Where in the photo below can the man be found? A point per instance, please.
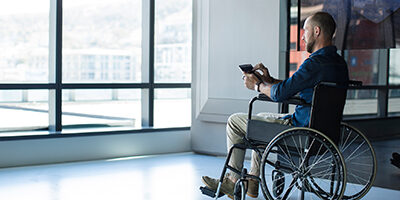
(324, 64)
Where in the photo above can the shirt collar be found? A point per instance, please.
(325, 50)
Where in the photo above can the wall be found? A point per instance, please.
(228, 33)
(67, 149)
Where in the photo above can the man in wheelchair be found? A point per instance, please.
(323, 65)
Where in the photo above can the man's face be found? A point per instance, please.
(308, 36)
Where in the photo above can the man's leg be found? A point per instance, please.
(255, 159)
(235, 131)
(270, 118)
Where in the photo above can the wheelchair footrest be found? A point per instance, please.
(209, 192)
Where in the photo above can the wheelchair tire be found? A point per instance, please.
(309, 161)
(360, 160)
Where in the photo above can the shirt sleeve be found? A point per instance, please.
(305, 77)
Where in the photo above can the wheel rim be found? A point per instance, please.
(360, 161)
(306, 157)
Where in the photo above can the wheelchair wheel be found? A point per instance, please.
(360, 162)
(310, 166)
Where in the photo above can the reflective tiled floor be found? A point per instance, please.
(172, 176)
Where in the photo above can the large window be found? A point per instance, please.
(94, 65)
(368, 37)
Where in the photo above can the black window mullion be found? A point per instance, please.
(58, 70)
(151, 63)
(298, 24)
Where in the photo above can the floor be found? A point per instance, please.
(172, 176)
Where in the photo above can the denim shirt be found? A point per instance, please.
(322, 65)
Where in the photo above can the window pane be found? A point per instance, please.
(394, 101)
(102, 41)
(172, 108)
(361, 102)
(24, 41)
(394, 67)
(23, 110)
(363, 65)
(101, 108)
(294, 27)
(296, 58)
(173, 38)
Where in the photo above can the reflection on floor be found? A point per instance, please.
(173, 176)
(388, 176)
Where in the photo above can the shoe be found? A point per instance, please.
(252, 190)
(227, 186)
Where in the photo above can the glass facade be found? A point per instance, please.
(173, 41)
(102, 41)
(102, 108)
(394, 67)
(358, 21)
(363, 65)
(98, 78)
(24, 41)
(368, 37)
(23, 110)
(173, 108)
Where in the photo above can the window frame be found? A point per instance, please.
(55, 86)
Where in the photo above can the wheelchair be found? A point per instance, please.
(327, 160)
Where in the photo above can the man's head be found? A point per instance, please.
(318, 31)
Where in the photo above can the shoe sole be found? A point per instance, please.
(252, 195)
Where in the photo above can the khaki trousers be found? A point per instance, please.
(236, 129)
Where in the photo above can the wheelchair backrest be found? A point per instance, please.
(327, 109)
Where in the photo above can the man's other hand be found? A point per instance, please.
(265, 76)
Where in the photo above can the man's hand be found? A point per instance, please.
(265, 76)
(250, 80)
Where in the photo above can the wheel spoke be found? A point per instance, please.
(287, 158)
(348, 136)
(302, 163)
(349, 143)
(349, 157)
(289, 190)
(358, 178)
(318, 161)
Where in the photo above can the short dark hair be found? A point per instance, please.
(326, 22)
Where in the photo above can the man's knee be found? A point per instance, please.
(237, 118)
(237, 125)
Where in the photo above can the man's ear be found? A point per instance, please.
(317, 30)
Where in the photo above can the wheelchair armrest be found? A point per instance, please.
(355, 83)
(263, 97)
(296, 100)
